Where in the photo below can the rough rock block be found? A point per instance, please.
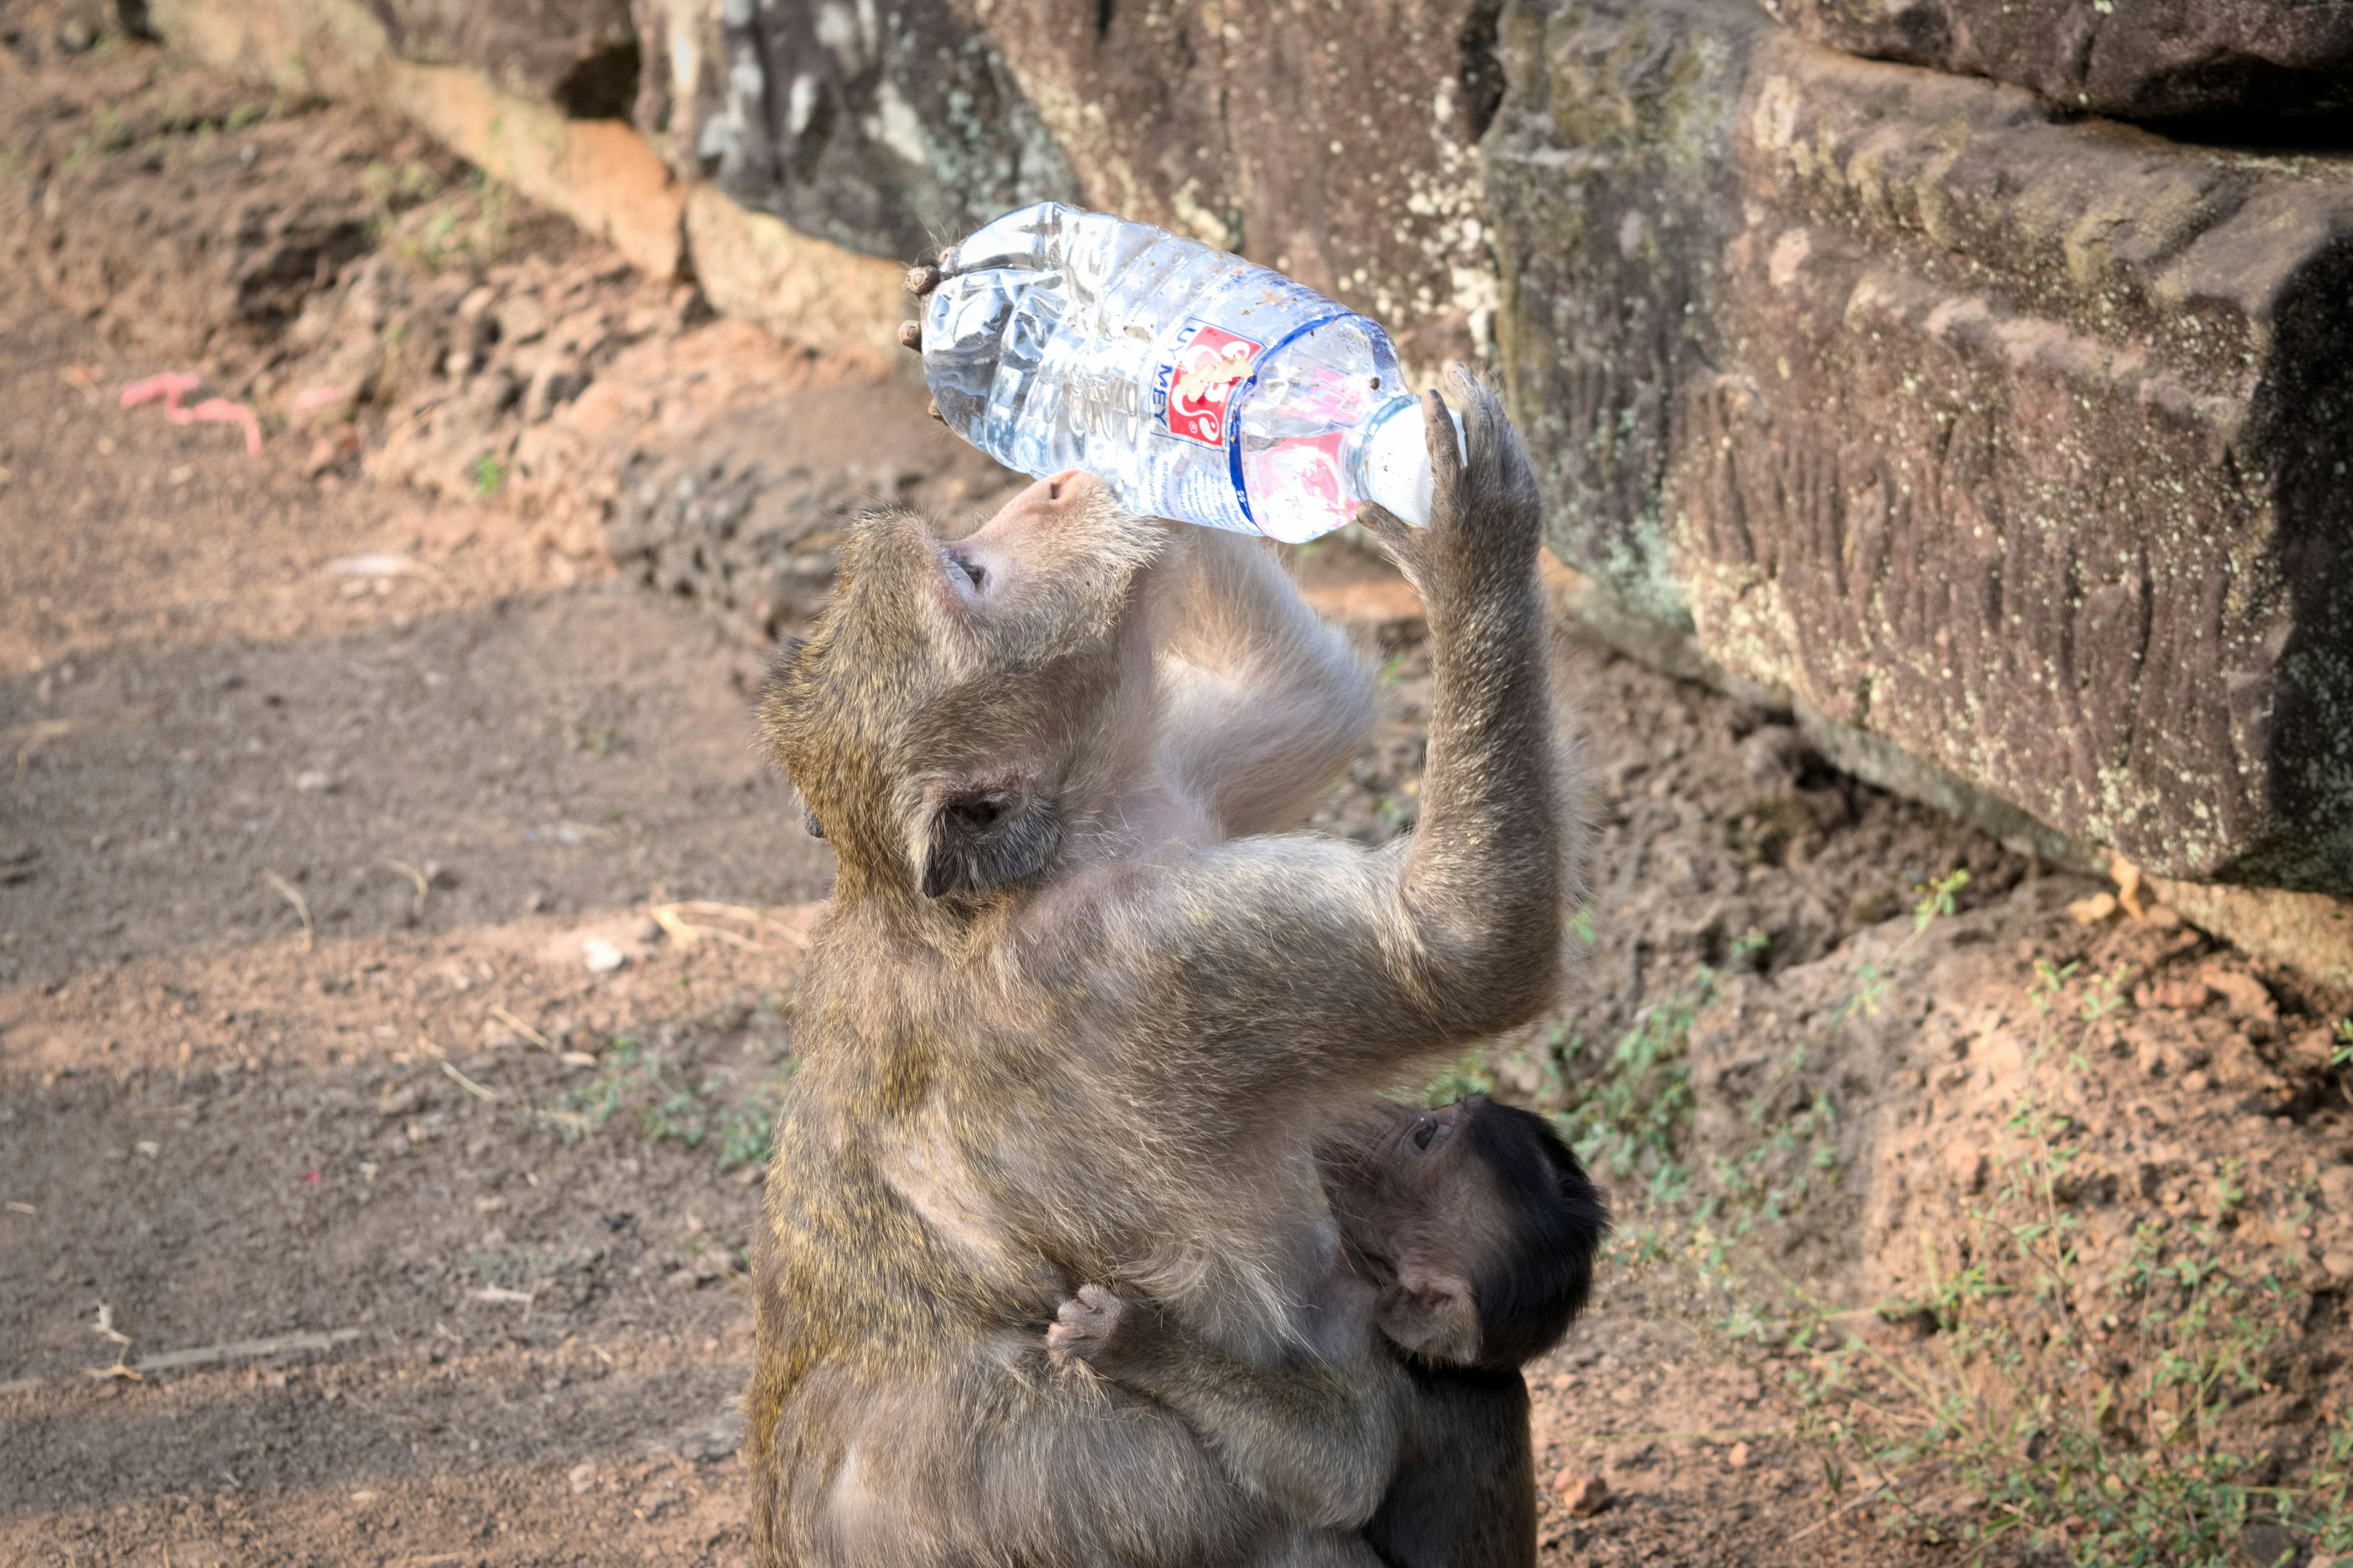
(890, 129)
(2022, 444)
(580, 56)
(1329, 139)
(599, 175)
(2283, 65)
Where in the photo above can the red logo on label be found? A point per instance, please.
(1195, 385)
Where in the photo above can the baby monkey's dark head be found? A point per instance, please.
(952, 697)
(1478, 1223)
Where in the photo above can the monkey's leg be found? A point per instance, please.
(1466, 1496)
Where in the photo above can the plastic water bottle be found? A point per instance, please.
(1196, 386)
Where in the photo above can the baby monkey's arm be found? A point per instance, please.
(1319, 1439)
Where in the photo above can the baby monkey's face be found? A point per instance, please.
(1474, 1221)
(1419, 1207)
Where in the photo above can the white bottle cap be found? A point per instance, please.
(1393, 465)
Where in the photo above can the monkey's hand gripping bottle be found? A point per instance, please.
(1196, 386)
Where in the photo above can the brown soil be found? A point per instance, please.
(326, 771)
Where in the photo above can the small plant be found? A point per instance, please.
(490, 476)
(391, 191)
(649, 1092)
(472, 227)
(2104, 993)
(1627, 1115)
(1932, 901)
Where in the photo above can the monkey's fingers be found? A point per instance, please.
(910, 335)
(1394, 532)
(1438, 428)
(922, 280)
(1405, 545)
(1067, 1342)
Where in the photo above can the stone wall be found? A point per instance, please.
(2003, 442)
(2016, 440)
(2230, 68)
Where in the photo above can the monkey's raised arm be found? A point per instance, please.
(1265, 701)
(1288, 964)
(1321, 1439)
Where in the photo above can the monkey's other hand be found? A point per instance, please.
(921, 282)
(1486, 517)
(1098, 1327)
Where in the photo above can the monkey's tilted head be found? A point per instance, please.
(955, 702)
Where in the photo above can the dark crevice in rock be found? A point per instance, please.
(603, 86)
(1482, 68)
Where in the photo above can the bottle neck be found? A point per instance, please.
(1390, 461)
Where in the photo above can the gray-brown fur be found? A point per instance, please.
(1110, 1064)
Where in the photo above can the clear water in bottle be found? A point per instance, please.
(1198, 385)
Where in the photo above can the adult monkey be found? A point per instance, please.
(1055, 1029)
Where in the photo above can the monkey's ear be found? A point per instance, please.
(978, 840)
(1431, 1315)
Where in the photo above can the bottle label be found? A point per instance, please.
(1203, 366)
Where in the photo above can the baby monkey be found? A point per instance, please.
(1467, 1237)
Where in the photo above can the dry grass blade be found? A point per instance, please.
(520, 1027)
(500, 1293)
(469, 1085)
(246, 1350)
(1696, 1435)
(293, 896)
(688, 922)
(384, 566)
(416, 877)
(30, 738)
(1869, 1492)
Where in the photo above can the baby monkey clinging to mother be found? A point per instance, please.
(1467, 1237)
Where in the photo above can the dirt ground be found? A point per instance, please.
(398, 929)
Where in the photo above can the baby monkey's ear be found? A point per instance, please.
(977, 840)
(1433, 1316)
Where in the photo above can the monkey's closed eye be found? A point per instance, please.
(1423, 1132)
